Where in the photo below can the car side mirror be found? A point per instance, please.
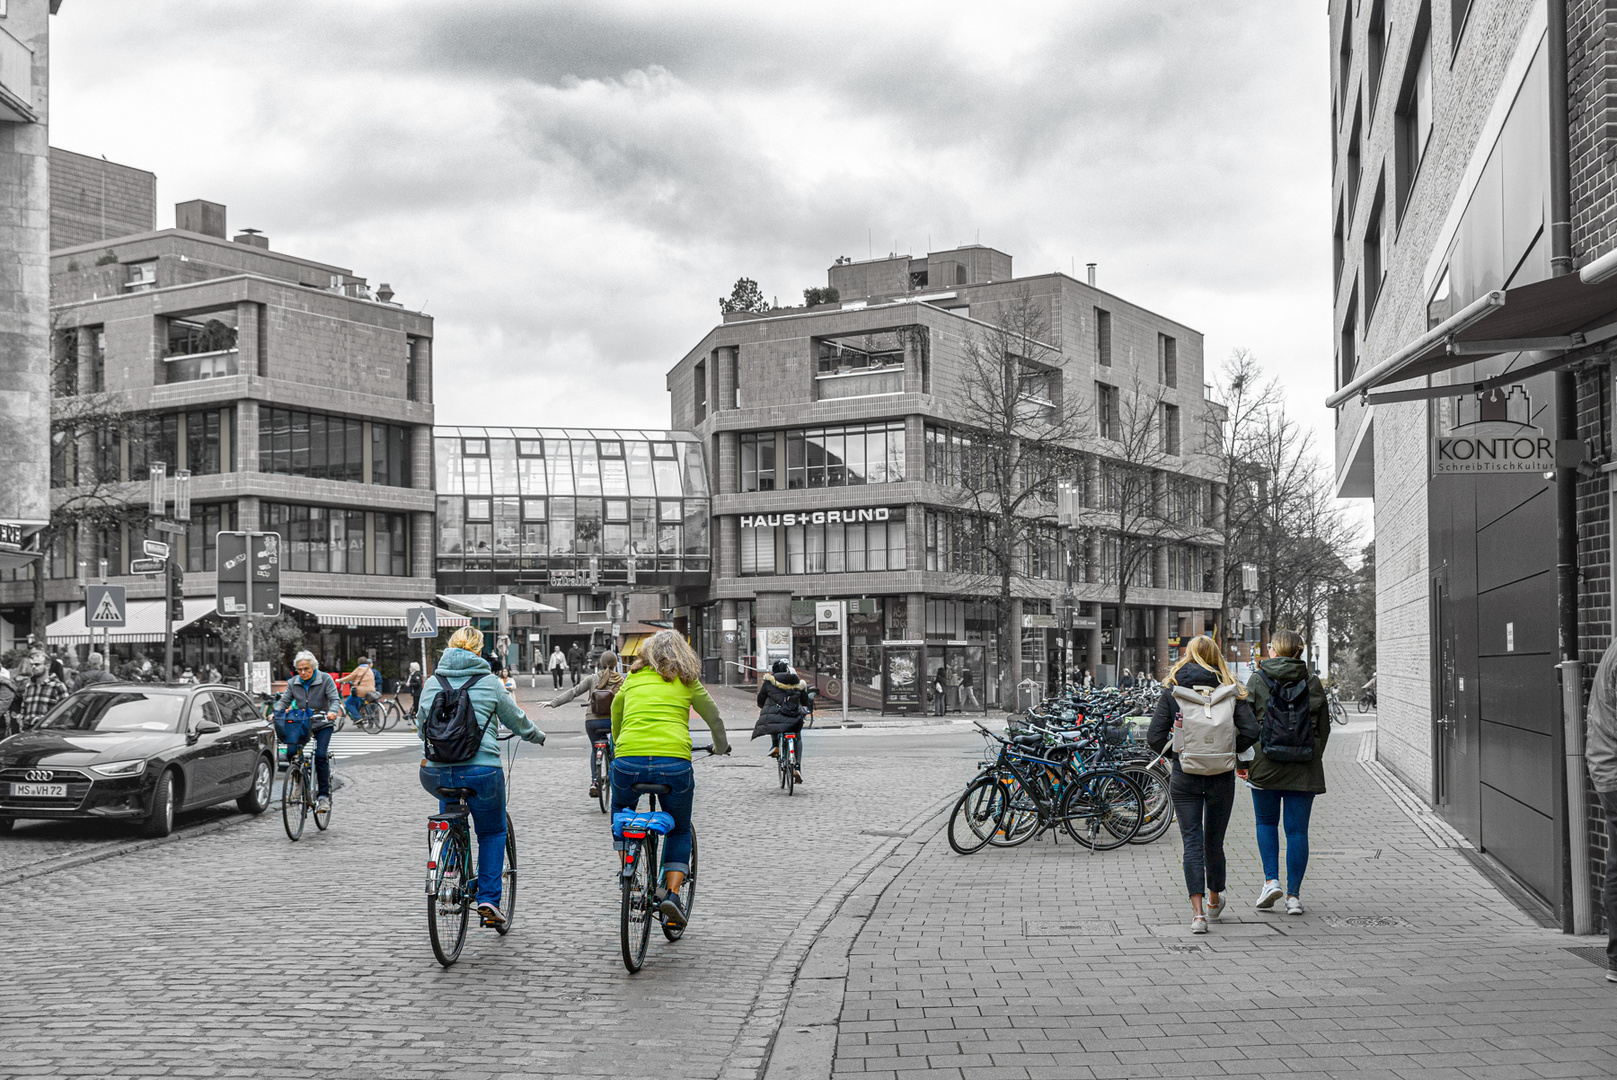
(206, 727)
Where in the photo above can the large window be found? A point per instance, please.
(822, 542)
(758, 461)
(847, 456)
(957, 543)
(1376, 235)
(332, 540)
(859, 365)
(1106, 411)
(953, 457)
(326, 447)
(1414, 124)
(202, 535)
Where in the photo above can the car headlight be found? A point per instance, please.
(121, 768)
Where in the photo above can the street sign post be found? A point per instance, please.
(148, 566)
(154, 549)
(104, 606)
(249, 584)
(421, 623)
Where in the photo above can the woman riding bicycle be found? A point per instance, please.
(651, 736)
(461, 668)
(315, 692)
(784, 702)
(602, 686)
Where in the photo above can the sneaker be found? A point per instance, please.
(490, 915)
(672, 911)
(1267, 895)
(322, 805)
(1215, 910)
(1198, 924)
(775, 753)
(797, 776)
(1294, 906)
(595, 791)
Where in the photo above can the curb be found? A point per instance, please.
(753, 1056)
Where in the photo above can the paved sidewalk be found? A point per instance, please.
(1048, 961)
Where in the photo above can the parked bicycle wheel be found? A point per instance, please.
(1102, 810)
(634, 917)
(294, 801)
(1020, 821)
(508, 879)
(392, 714)
(449, 907)
(976, 816)
(1156, 801)
(687, 895)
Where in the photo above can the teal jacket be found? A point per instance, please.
(489, 699)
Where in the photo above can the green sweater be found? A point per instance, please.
(1280, 775)
(651, 717)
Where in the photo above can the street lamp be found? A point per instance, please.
(182, 495)
(158, 471)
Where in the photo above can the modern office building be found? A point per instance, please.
(1473, 215)
(298, 399)
(836, 436)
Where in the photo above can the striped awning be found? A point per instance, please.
(143, 622)
(347, 611)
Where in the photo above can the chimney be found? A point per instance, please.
(384, 293)
(252, 238)
(200, 216)
(1091, 268)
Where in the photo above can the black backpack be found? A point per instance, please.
(452, 732)
(1287, 734)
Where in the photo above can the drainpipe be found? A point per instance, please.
(1576, 916)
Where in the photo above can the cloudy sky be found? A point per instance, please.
(569, 187)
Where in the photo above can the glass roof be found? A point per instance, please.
(650, 435)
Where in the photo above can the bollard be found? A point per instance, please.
(1577, 797)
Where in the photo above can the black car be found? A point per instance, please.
(139, 752)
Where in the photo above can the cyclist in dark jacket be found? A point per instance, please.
(784, 701)
(316, 691)
(598, 720)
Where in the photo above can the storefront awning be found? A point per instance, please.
(343, 611)
(143, 622)
(1549, 319)
(487, 605)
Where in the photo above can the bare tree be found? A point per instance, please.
(1247, 400)
(1017, 442)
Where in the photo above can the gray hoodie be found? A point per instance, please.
(1600, 745)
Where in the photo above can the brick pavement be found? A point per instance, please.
(1407, 964)
(238, 953)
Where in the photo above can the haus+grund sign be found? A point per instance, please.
(817, 517)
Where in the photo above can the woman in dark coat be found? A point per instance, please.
(784, 702)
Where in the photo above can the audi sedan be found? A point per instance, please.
(140, 753)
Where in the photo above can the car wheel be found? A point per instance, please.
(257, 799)
(160, 822)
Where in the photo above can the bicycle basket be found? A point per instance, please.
(637, 823)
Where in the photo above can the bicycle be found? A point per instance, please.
(298, 800)
(1338, 710)
(393, 713)
(1367, 701)
(641, 870)
(789, 759)
(452, 876)
(601, 753)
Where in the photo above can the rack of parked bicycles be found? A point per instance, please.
(1076, 762)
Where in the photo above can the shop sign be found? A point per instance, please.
(572, 579)
(11, 535)
(1492, 432)
(1038, 622)
(827, 618)
(817, 517)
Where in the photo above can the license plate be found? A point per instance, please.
(39, 791)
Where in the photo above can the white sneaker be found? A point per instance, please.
(1214, 910)
(1294, 906)
(1267, 895)
(1198, 924)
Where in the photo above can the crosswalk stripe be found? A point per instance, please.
(350, 744)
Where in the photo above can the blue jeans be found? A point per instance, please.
(294, 733)
(1267, 806)
(677, 774)
(488, 817)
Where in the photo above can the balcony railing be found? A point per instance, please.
(194, 366)
(850, 384)
(16, 80)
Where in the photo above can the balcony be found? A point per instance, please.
(16, 81)
(192, 367)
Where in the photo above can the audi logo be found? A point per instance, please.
(40, 774)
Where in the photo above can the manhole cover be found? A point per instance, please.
(1372, 922)
(1218, 930)
(1184, 948)
(1595, 954)
(1069, 928)
(1344, 853)
(882, 832)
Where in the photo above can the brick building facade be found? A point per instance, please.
(93, 199)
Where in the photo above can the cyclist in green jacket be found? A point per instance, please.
(651, 739)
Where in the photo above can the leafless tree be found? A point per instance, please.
(1247, 399)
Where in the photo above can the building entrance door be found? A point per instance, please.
(1454, 773)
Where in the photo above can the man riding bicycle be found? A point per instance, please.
(460, 668)
(361, 683)
(651, 737)
(314, 691)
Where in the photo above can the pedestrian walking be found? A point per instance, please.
(412, 686)
(1600, 752)
(95, 671)
(40, 691)
(968, 691)
(557, 665)
(1203, 723)
(939, 685)
(1288, 764)
(575, 663)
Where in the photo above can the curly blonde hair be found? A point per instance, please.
(668, 654)
(469, 638)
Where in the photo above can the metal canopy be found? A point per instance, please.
(1553, 316)
(347, 611)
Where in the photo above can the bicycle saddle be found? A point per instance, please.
(650, 789)
(456, 792)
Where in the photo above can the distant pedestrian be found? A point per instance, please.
(1202, 723)
(1089, 679)
(1288, 764)
(557, 665)
(95, 671)
(1600, 752)
(412, 686)
(939, 688)
(1127, 681)
(968, 692)
(40, 691)
(575, 662)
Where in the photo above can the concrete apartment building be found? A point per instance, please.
(1473, 143)
(25, 286)
(299, 400)
(831, 432)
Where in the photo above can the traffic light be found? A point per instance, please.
(176, 590)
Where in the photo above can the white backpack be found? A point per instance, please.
(1204, 735)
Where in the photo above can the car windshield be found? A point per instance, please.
(127, 711)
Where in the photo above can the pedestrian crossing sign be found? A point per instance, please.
(104, 606)
(421, 622)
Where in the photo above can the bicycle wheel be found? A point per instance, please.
(603, 780)
(1338, 712)
(1364, 705)
(294, 801)
(392, 714)
(976, 816)
(788, 777)
(449, 908)
(634, 918)
(1102, 810)
(322, 818)
(1156, 801)
(508, 878)
(687, 894)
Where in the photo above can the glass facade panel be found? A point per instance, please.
(328, 540)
